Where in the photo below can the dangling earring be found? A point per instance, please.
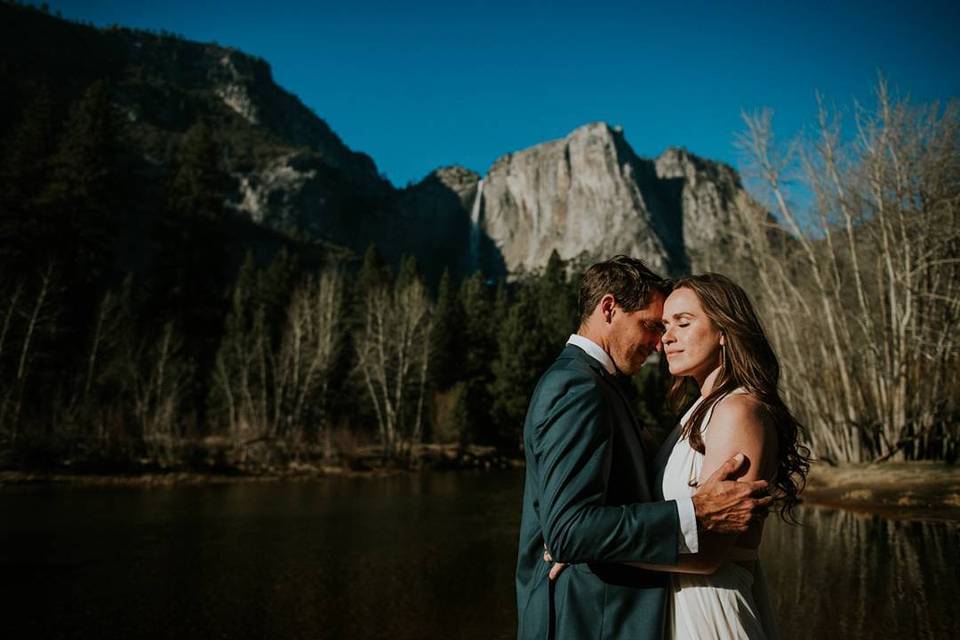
(723, 357)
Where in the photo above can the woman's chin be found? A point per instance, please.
(677, 371)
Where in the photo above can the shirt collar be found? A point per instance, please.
(595, 351)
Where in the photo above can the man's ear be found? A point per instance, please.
(607, 306)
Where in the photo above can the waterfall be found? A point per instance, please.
(474, 258)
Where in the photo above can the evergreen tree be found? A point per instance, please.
(374, 272)
(200, 184)
(194, 263)
(274, 287)
(23, 172)
(524, 353)
(82, 199)
(447, 336)
(478, 352)
(556, 301)
(27, 152)
(480, 345)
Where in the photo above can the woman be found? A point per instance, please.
(712, 336)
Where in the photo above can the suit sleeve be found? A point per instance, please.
(572, 446)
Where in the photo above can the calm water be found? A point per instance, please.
(422, 556)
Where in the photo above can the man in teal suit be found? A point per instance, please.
(587, 494)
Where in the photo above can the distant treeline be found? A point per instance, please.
(136, 330)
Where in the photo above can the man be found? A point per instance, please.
(587, 493)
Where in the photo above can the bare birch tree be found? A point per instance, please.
(267, 392)
(158, 377)
(393, 354)
(308, 352)
(27, 320)
(861, 296)
(243, 372)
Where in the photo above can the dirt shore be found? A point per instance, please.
(902, 490)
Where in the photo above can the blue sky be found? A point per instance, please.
(422, 85)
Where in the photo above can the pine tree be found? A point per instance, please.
(23, 173)
(27, 152)
(200, 184)
(524, 353)
(478, 352)
(81, 200)
(374, 272)
(194, 269)
(274, 288)
(448, 338)
(556, 301)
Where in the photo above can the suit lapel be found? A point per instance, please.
(614, 381)
(617, 382)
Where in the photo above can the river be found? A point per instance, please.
(426, 555)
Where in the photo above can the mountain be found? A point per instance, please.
(290, 172)
(587, 196)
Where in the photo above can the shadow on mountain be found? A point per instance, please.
(433, 223)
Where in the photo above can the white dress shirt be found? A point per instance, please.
(689, 541)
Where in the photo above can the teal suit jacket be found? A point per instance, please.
(587, 496)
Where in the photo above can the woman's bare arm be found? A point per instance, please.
(736, 426)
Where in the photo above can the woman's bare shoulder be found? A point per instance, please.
(741, 412)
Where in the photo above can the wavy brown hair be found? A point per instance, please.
(749, 362)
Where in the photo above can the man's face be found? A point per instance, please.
(634, 335)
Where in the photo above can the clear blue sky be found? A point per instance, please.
(421, 85)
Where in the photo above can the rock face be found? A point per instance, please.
(589, 196)
(708, 195)
(291, 172)
(433, 219)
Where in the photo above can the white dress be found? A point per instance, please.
(730, 604)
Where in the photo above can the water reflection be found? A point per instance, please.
(851, 575)
(419, 556)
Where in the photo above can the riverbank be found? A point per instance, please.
(362, 462)
(901, 490)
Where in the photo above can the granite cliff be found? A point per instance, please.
(586, 196)
(589, 195)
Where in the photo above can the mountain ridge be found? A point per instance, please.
(587, 195)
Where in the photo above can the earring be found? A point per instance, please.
(723, 356)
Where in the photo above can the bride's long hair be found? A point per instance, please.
(748, 361)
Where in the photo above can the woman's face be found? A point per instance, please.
(691, 342)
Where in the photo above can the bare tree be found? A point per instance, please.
(158, 374)
(393, 358)
(266, 392)
(308, 352)
(861, 294)
(35, 318)
(243, 374)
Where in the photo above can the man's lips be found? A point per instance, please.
(673, 353)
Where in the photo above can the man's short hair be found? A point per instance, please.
(629, 280)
